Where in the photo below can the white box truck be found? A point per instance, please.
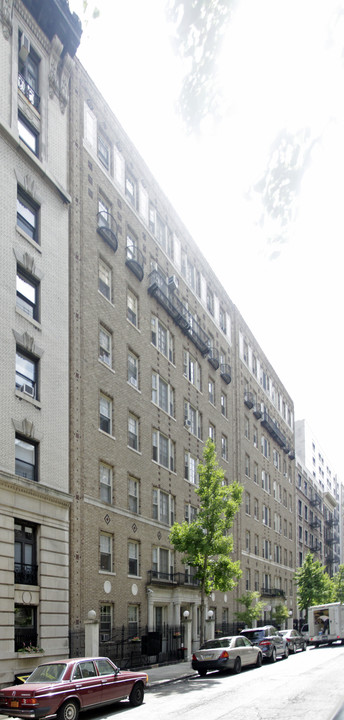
(326, 624)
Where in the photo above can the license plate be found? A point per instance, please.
(14, 703)
(207, 657)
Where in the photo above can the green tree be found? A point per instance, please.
(314, 586)
(206, 544)
(338, 585)
(253, 608)
(279, 614)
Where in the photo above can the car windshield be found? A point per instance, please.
(47, 673)
(253, 635)
(221, 642)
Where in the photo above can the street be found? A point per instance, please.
(307, 686)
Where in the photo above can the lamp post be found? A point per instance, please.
(187, 634)
(210, 625)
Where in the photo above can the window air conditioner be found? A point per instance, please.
(173, 282)
(24, 47)
(28, 390)
(187, 424)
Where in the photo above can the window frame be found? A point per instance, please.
(106, 488)
(134, 436)
(31, 229)
(106, 555)
(33, 445)
(23, 277)
(105, 353)
(105, 272)
(27, 131)
(27, 381)
(108, 418)
(132, 308)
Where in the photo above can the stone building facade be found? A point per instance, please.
(160, 360)
(35, 65)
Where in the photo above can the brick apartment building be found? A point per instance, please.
(160, 360)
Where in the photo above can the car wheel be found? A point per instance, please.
(273, 655)
(286, 652)
(136, 695)
(237, 666)
(202, 673)
(294, 648)
(259, 660)
(68, 711)
(304, 646)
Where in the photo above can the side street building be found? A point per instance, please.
(36, 57)
(121, 353)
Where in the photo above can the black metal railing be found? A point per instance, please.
(107, 229)
(134, 261)
(271, 426)
(28, 91)
(226, 373)
(25, 574)
(174, 578)
(272, 592)
(249, 400)
(214, 357)
(24, 638)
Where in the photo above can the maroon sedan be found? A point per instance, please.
(65, 687)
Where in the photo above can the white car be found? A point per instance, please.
(226, 653)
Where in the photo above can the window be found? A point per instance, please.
(190, 468)
(132, 308)
(133, 619)
(131, 189)
(212, 432)
(248, 579)
(27, 134)
(163, 450)
(255, 473)
(27, 215)
(255, 436)
(105, 280)
(248, 541)
(210, 301)
(28, 70)
(103, 152)
(105, 547)
(25, 568)
(105, 624)
(224, 447)
(25, 626)
(162, 394)
(105, 482)
(190, 513)
(27, 294)
(222, 318)
(224, 405)
(105, 346)
(163, 507)
(133, 558)
(267, 550)
(266, 482)
(256, 509)
(265, 446)
(211, 391)
(133, 495)
(26, 373)
(266, 516)
(256, 544)
(26, 453)
(162, 339)
(105, 414)
(192, 369)
(192, 419)
(133, 369)
(133, 432)
(247, 503)
(246, 428)
(256, 580)
(162, 563)
(247, 466)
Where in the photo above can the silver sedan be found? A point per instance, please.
(226, 653)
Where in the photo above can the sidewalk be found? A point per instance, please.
(161, 674)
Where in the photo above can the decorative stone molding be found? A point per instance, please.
(27, 342)
(64, 82)
(25, 427)
(55, 54)
(6, 13)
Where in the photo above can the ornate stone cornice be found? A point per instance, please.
(27, 342)
(6, 15)
(18, 485)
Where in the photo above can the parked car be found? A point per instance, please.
(65, 687)
(226, 653)
(268, 640)
(294, 640)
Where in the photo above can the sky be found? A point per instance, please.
(281, 68)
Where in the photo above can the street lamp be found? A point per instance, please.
(186, 614)
(210, 614)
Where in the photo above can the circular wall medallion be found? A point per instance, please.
(107, 586)
(26, 597)
(134, 589)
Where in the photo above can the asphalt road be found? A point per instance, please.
(306, 686)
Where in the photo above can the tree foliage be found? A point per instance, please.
(205, 544)
(253, 608)
(279, 614)
(314, 586)
(199, 30)
(338, 585)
